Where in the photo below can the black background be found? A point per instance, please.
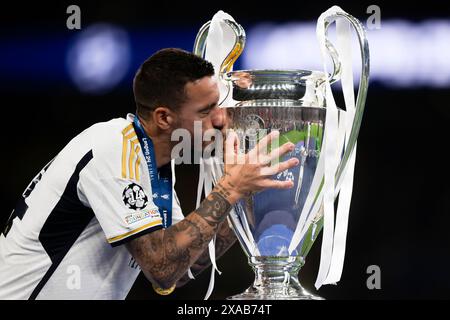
(400, 212)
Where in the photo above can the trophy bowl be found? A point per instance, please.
(286, 101)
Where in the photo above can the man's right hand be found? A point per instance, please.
(245, 174)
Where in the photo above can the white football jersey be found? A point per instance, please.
(64, 238)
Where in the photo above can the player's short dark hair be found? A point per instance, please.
(161, 79)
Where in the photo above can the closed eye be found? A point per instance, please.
(207, 109)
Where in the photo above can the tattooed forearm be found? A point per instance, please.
(165, 255)
(215, 207)
(160, 255)
(225, 239)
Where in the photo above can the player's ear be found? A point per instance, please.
(164, 118)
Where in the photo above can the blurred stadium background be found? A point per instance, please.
(56, 82)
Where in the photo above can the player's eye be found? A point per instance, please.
(205, 112)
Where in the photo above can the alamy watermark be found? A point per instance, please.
(374, 280)
(73, 281)
(374, 20)
(74, 19)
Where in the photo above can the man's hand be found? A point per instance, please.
(249, 173)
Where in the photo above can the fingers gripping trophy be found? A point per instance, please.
(277, 227)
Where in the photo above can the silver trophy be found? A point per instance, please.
(294, 103)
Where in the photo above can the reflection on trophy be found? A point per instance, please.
(277, 228)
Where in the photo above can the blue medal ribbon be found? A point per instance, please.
(161, 180)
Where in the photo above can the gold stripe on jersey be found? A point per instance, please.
(130, 154)
(145, 226)
(137, 163)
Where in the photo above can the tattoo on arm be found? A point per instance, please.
(166, 254)
(215, 207)
(225, 239)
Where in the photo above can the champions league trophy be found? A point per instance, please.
(276, 228)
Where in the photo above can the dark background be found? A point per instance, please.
(400, 211)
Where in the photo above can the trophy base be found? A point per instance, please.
(291, 294)
(276, 279)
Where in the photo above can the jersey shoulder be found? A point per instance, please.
(115, 149)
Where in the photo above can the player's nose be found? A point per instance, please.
(218, 118)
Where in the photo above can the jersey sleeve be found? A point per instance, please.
(114, 186)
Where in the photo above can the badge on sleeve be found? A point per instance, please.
(134, 197)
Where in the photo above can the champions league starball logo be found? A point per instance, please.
(254, 124)
(134, 197)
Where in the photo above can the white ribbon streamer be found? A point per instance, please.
(219, 43)
(343, 209)
(201, 181)
(338, 126)
(211, 246)
(172, 163)
(334, 241)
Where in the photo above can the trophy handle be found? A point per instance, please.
(363, 83)
(335, 59)
(238, 47)
(359, 110)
